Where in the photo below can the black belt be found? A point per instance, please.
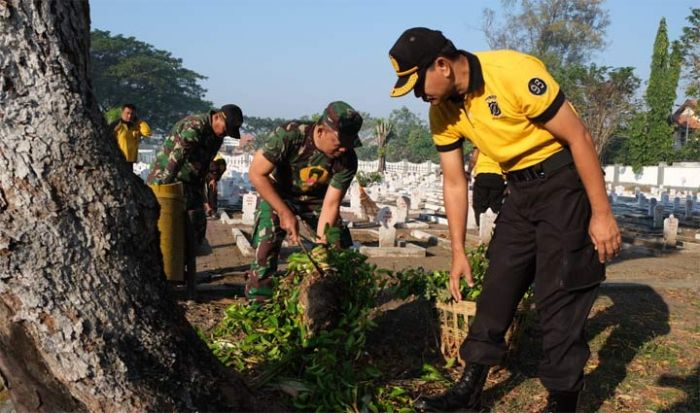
(542, 169)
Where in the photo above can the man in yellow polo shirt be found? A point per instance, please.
(128, 131)
(557, 227)
(489, 185)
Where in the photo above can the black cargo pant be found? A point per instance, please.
(541, 235)
(487, 192)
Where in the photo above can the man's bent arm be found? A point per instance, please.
(259, 175)
(329, 212)
(567, 126)
(455, 195)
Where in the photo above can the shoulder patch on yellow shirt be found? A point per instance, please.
(537, 86)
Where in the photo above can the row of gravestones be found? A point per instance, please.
(652, 203)
(387, 218)
(670, 226)
(654, 191)
(654, 209)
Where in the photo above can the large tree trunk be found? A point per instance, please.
(86, 323)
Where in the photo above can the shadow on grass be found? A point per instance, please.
(690, 385)
(637, 316)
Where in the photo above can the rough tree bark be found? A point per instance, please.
(86, 323)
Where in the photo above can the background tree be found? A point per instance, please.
(383, 131)
(86, 322)
(560, 32)
(261, 128)
(690, 41)
(604, 98)
(564, 35)
(126, 70)
(651, 138)
(411, 139)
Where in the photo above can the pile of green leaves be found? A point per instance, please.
(325, 372)
(433, 286)
(329, 371)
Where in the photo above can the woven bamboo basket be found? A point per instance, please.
(455, 319)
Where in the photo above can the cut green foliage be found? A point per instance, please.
(434, 286)
(330, 370)
(324, 372)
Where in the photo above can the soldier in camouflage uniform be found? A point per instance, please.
(185, 157)
(304, 169)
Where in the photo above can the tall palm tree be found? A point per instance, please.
(383, 130)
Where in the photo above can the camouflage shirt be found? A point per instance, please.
(302, 172)
(186, 153)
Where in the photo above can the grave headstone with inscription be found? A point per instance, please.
(488, 223)
(386, 218)
(250, 205)
(403, 205)
(670, 231)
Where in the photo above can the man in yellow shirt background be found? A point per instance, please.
(556, 229)
(489, 186)
(128, 131)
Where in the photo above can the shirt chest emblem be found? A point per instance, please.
(312, 175)
(492, 103)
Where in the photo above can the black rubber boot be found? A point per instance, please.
(562, 402)
(463, 396)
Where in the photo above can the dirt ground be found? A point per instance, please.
(644, 330)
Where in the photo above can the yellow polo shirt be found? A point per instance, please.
(128, 137)
(486, 165)
(511, 95)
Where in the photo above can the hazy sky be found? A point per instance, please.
(289, 58)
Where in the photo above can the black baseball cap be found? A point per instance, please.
(234, 119)
(413, 53)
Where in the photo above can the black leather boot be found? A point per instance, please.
(465, 395)
(562, 402)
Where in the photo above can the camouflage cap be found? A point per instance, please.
(343, 119)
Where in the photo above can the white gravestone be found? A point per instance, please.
(670, 231)
(386, 218)
(416, 198)
(471, 216)
(658, 216)
(641, 200)
(355, 202)
(488, 223)
(692, 197)
(652, 205)
(403, 205)
(250, 205)
(664, 198)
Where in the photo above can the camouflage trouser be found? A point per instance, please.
(267, 240)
